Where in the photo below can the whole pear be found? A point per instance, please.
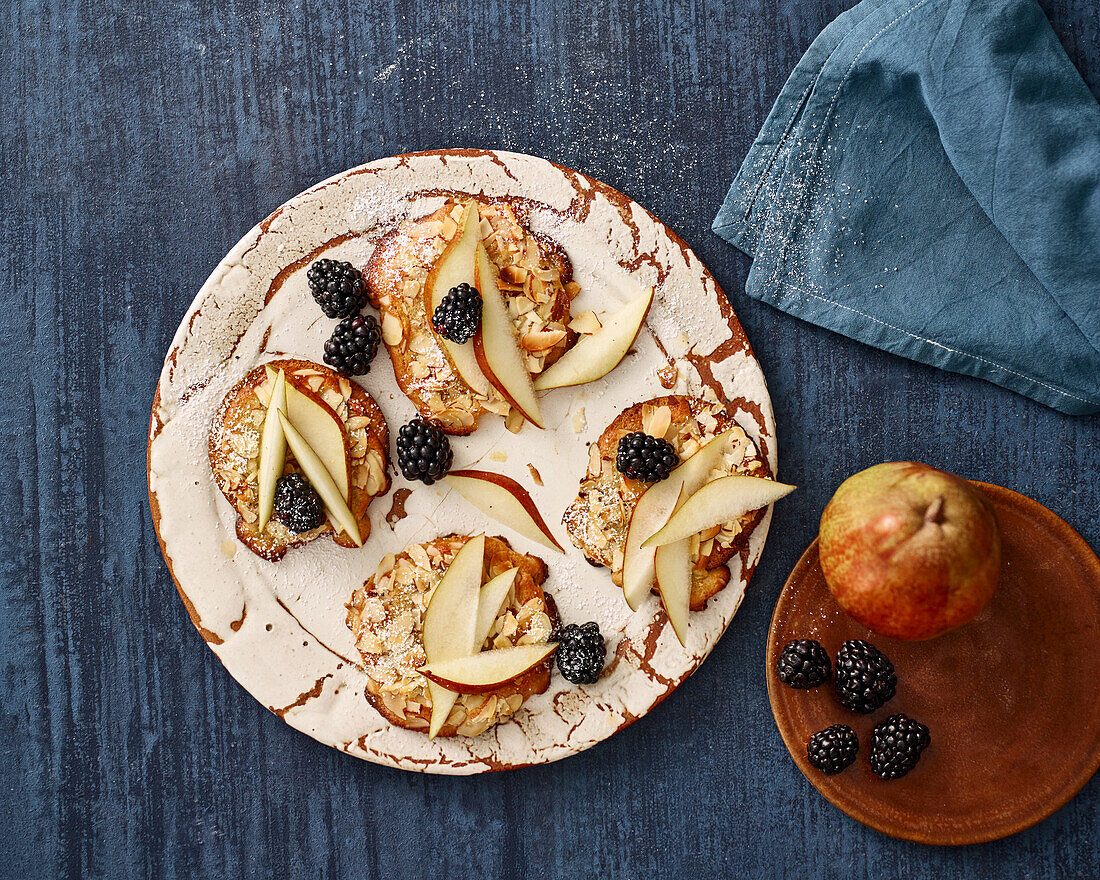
(908, 550)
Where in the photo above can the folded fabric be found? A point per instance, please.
(928, 182)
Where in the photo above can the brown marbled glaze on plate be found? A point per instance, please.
(1011, 698)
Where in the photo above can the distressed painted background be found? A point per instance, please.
(138, 142)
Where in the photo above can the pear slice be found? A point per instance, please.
(654, 508)
(450, 622)
(321, 480)
(496, 346)
(487, 671)
(672, 566)
(594, 356)
(272, 451)
(506, 501)
(455, 266)
(719, 501)
(492, 599)
(322, 429)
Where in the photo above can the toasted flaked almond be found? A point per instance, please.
(376, 473)
(513, 702)
(709, 533)
(385, 566)
(513, 274)
(586, 322)
(657, 421)
(496, 405)
(315, 383)
(514, 421)
(356, 422)
(448, 226)
(521, 305)
(572, 288)
(419, 369)
(541, 340)
(534, 362)
(419, 555)
(706, 547)
(392, 331)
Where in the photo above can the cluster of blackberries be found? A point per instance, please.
(340, 291)
(864, 681)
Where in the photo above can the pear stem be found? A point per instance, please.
(934, 511)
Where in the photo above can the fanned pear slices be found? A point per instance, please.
(658, 542)
(451, 622)
(653, 510)
(594, 356)
(719, 501)
(319, 477)
(503, 499)
(486, 671)
(497, 346)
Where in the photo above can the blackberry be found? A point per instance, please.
(580, 652)
(458, 314)
(423, 451)
(645, 458)
(338, 287)
(297, 505)
(832, 749)
(896, 746)
(864, 678)
(803, 664)
(353, 345)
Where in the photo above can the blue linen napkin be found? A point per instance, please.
(928, 182)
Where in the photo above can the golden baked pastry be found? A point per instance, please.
(535, 276)
(386, 617)
(598, 518)
(234, 450)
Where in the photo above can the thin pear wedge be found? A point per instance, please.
(496, 346)
(503, 499)
(272, 451)
(493, 596)
(593, 357)
(450, 622)
(719, 501)
(654, 508)
(321, 428)
(487, 671)
(455, 266)
(672, 564)
(321, 480)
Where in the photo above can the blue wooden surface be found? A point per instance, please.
(138, 142)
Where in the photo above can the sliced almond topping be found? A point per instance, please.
(541, 340)
(586, 322)
(513, 274)
(392, 331)
(514, 421)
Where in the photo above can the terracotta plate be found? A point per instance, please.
(279, 628)
(1010, 698)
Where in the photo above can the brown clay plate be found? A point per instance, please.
(1010, 698)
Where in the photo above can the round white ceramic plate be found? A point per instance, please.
(279, 628)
